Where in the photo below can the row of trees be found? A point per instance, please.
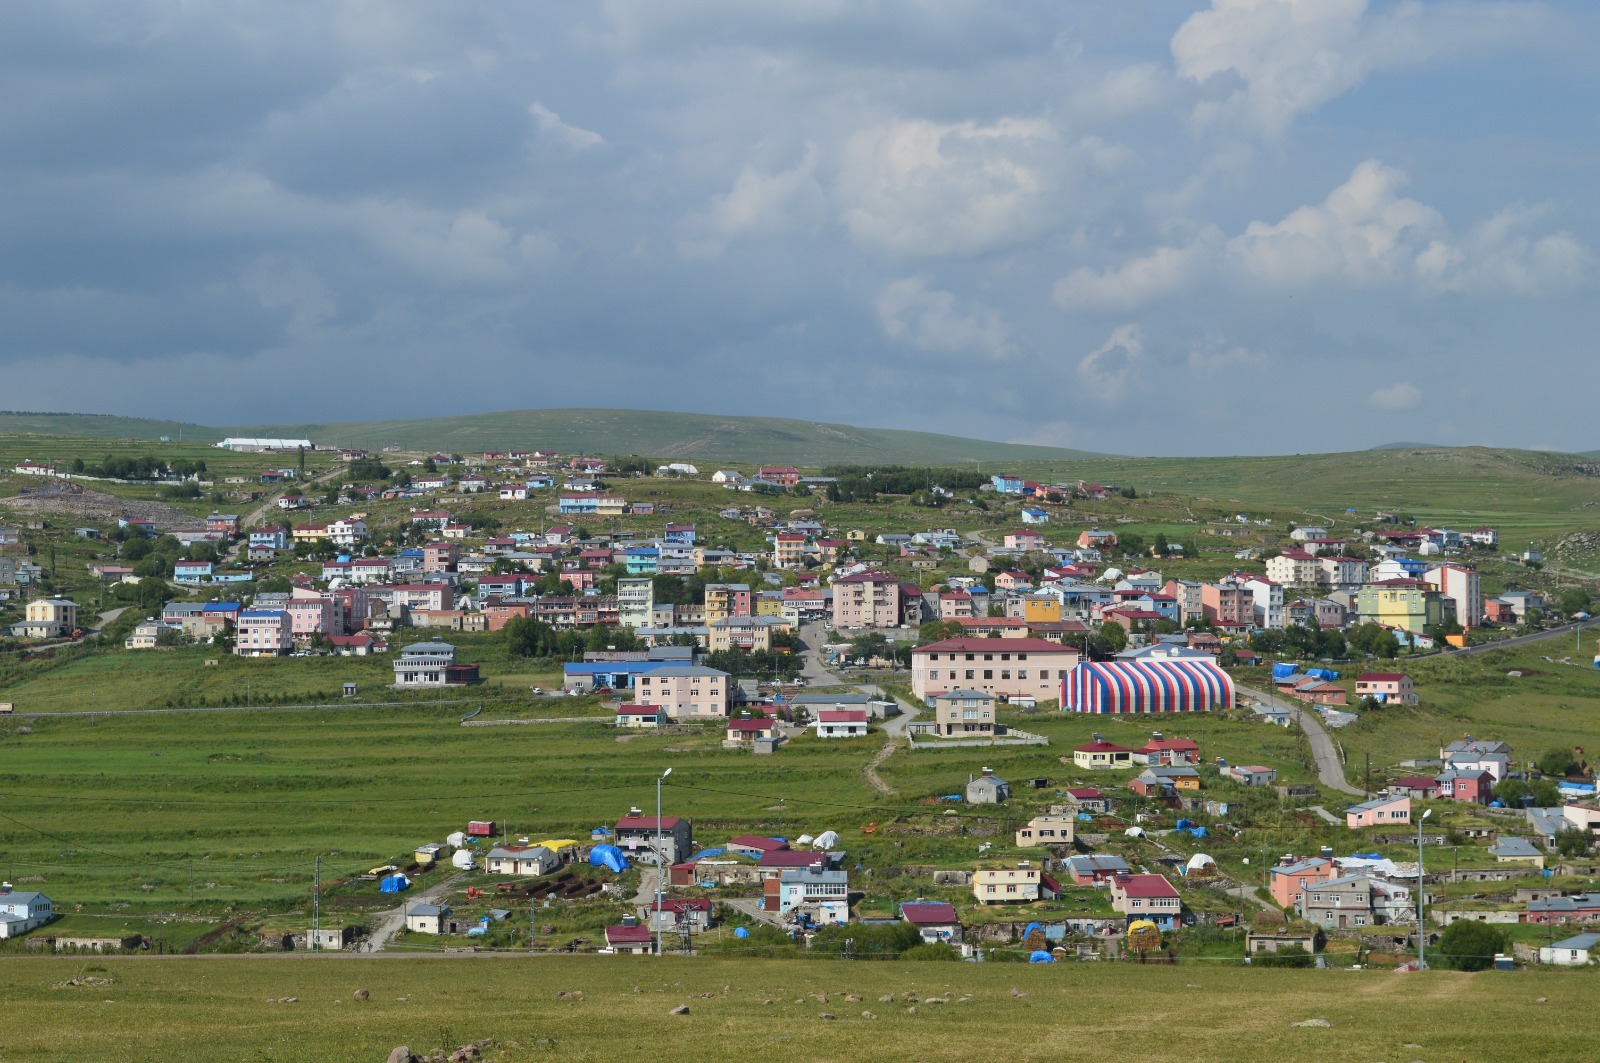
(140, 467)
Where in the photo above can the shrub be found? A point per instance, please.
(1467, 945)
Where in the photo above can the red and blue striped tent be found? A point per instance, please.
(1117, 687)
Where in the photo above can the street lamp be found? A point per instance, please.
(660, 859)
(1422, 929)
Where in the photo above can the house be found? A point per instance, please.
(22, 911)
(1263, 942)
(1575, 908)
(1470, 754)
(640, 716)
(520, 860)
(1379, 812)
(625, 939)
(687, 691)
(1010, 667)
(642, 837)
(1473, 785)
(1161, 750)
(756, 845)
(963, 712)
(1088, 799)
(432, 664)
(936, 921)
(680, 915)
(840, 723)
(49, 618)
(1577, 951)
(1024, 541)
(987, 789)
(1102, 754)
(1007, 885)
(1416, 786)
(744, 731)
(786, 475)
(1291, 877)
(1516, 851)
(1149, 897)
(1165, 781)
(1405, 604)
(1386, 687)
(1095, 869)
(1095, 539)
(1338, 903)
(1252, 774)
(263, 633)
(429, 919)
(1046, 830)
(1035, 516)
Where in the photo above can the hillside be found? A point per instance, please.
(102, 426)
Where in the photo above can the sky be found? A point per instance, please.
(1136, 226)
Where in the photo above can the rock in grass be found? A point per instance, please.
(1019, 994)
(681, 1009)
(868, 1015)
(826, 1015)
(887, 998)
(1319, 1023)
(852, 998)
(401, 1054)
(362, 994)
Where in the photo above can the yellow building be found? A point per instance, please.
(310, 533)
(1037, 609)
(49, 618)
(1018, 885)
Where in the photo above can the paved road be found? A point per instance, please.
(1326, 816)
(894, 730)
(1523, 640)
(1329, 770)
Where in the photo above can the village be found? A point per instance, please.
(733, 608)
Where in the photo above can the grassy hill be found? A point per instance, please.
(707, 437)
(662, 434)
(102, 426)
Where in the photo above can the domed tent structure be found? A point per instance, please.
(463, 859)
(609, 857)
(1198, 861)
(1041, 956)
(1149, 686)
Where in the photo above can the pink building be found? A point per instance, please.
(1379, 812)
(318, 614)
(1387, 687)
(1291, 877)
(440, 557)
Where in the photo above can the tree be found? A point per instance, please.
(1468, 945)
(938, 631)
(1556, 762)
(1573, 600)
(1572, 841)
(1286, 956)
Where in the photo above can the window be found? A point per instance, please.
(988, 673)
(969, 673)
(1022, 673)
(1005, 673)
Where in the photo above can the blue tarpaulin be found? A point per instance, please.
(1323, 673)
(608, 856)
(1041, 956)
(1031, 928)
(1198, 832)
(740, 932)
(394, 884)
(1283, 671)
(705, 853)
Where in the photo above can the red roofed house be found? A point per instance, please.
(1102, 754)
(1149, 897)
(936, 921)
(1024, 540)
(1417, 786)
(640, 716)
(1162, 750)
(954, 605)
(1387, 687)
(744, 731)
(1088, 799)
(787, 475)
(756, 845)
(680, 914)
(841, 723)
(630, 939)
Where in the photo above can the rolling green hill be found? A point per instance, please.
(705, 437)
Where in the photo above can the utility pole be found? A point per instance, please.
(191, 883)
(316, 902)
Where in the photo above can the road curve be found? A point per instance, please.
(1329, 771)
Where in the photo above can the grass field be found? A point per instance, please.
(204, 1010)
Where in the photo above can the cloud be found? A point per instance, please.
(1109, 371)
(1364, 234)
(758, 204)
(1217, 356)
(936, 322)
(1397, 396)
(932, 189)
(551, 125)
(1274, 60)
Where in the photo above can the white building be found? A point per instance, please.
(22, 912)
(1269, 601)
(1459, 584)
(636, 598)
(347, 532)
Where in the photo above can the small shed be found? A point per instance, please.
(349, 690)
(987, 789)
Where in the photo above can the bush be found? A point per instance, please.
(938, 952)
(1288, 956)
(1467, 945)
